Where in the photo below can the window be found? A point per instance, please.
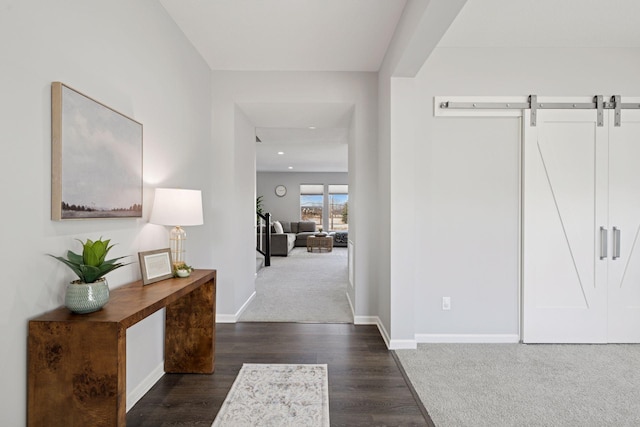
(311, 202)
(338, 207)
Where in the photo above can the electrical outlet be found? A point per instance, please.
(446, 303)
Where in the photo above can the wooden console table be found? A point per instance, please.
(77, 362)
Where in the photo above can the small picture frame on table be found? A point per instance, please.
(155, 265)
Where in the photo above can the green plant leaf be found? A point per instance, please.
(112, 261)
(88, 255)
(75, 267)
(74, 257)
(106, 268)
(90, 273)
(106, 251)
(91, 265)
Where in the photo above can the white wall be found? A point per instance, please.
(422, 24)
(230, 89)
(243, 245)
(287, 208)
(404, 32)
(467, 186)
(132, 57)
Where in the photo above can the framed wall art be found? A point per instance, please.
(96, 159)
(155, 265)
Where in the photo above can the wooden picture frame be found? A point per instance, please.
(96, 159)
(155, 265)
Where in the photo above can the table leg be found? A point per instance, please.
(77, 374)
(190, 332)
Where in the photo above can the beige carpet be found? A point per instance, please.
(302, 287)
(278, 396)
(500, 385)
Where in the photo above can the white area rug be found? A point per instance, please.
(277, 395)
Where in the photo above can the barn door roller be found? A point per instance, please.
(615, 103)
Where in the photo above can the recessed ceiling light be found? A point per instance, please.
(290, 167)
(312, 127)
(280, 153)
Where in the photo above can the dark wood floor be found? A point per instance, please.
(366, 386)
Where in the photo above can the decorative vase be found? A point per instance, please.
(83, 298)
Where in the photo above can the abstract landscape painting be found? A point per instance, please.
(96, 159)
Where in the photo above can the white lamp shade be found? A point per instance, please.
(177, 207)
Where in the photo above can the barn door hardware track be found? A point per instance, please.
(615, 103)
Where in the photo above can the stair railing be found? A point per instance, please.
(263, 237)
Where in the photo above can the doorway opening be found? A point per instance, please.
(302, 180)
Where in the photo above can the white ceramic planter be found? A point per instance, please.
(183, 273)
(85, 298)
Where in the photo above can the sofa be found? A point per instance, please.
(285, 235)
(340, 238)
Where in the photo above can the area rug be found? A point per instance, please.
(277, 395)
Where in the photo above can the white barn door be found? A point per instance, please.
(563, 289)
(581, 222)
(624, 209)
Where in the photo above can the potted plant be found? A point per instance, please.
(182, 270)
(91, 291)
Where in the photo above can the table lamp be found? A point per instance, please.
(177, 207)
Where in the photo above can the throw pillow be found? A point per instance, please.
(278, 227)
(286, 226)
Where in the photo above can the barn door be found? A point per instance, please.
(624, 208)
(581, 228)
(564, 207)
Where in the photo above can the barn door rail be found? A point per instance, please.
(598, 104)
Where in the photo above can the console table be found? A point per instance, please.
(77, 362)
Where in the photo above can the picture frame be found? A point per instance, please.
(96, 159)
(155, 265)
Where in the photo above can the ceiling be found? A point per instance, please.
(310, 137)
(353, 35)
(292, 35)
(545, 23)
(288, 35)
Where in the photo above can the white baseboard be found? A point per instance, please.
(146, 384)
(233, 318)
(226, 318)
(468, 338)
(403, 345)
(374, 320)
(383, 331)
(353, 312)
(366, 320)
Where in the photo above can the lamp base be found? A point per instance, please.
(177, 241)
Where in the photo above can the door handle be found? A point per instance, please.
(616, 243)
(603, 242)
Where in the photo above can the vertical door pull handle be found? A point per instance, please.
(603, 242)
(616, 243)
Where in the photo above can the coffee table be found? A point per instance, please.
(320, 243)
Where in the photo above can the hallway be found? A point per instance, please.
(366, 386)
(302, 287)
